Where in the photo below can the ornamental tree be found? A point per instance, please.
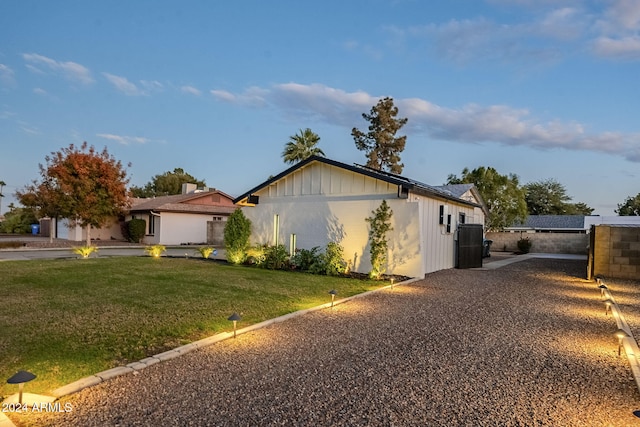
(81, 184)
(379, 225)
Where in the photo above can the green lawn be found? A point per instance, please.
(66, 319)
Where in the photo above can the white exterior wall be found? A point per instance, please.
(173, 228)
(321, 203)
(317, 221)
(177, 228)
(439, 245)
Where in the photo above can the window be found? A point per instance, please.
(461, 217)
(151, 225)
(449, 223)
(441, 214)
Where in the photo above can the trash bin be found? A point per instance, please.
(486, 248)
(35, 229)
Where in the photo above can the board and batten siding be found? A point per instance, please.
(321, 203)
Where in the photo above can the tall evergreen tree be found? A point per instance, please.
(301, 146)
(380, 143)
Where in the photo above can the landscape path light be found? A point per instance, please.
(603, 288)
(620, 334)
(20, 378)
(333, 294)
(607, 304)
(392, 283)
(234, 317)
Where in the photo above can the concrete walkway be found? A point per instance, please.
(501, 259)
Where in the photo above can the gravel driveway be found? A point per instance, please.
(528, 344)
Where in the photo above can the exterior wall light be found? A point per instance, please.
(333, 294)
(20, 378)
(620, 334)
(234, 317)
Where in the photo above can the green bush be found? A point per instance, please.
(135, 230)
(304, 259)
(330, 262)
(254, 255)
(237, 232)
(276, 257)
(524, 245)
(334, 264)
(18, 220)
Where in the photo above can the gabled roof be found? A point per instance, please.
(177, 203)
(459, 190)
(407, 183)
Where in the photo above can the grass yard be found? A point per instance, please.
(66, 319)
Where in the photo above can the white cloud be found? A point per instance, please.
(191, 90)
(622, 48)
(152, 85)
(70, 70)
(251, 97)
(123, 85)
(619, 31)
(123, 139)
(470, 124)
(6, 75)
(39, 91)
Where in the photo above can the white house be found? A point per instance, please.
(197, 216)
(319, 200)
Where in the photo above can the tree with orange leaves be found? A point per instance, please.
(81, 184)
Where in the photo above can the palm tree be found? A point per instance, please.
(301, 146)
(2, 184)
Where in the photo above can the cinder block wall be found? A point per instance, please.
(617, 252)
(554, 243)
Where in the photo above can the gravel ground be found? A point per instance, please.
(528, 344)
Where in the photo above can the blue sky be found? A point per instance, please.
(539, 88)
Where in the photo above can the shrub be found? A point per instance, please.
(275, 257)
(205, 251)
(155, 250)
(237, 232)
(254, 255)
(524, 245)
(135, 230)
(330, 262)
(85, 251)
(334, 264)
(304, 259)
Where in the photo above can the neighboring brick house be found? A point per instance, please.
(195, 217)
